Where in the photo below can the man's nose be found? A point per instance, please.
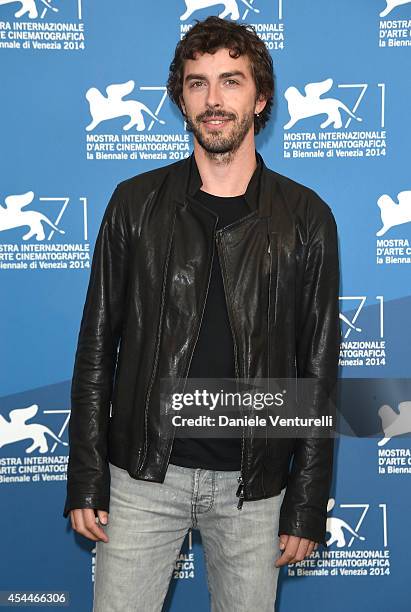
(214, 97)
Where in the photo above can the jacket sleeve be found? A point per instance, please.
(304, 509)
(88, 474)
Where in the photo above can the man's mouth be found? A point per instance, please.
(216, 121)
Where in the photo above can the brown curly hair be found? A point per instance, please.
(213, 33)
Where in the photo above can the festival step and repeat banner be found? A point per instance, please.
(84, 106)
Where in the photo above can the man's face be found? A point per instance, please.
(219, 100)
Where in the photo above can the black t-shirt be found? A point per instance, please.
(214, 352)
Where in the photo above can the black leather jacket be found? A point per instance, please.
(143, 310)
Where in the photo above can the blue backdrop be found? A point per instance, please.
(340, 124)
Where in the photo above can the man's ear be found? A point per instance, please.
(260, 104)
(183, 105)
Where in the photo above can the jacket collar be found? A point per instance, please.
(188, 181)
(251, 193)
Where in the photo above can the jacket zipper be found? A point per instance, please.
(240, 479)
(141, 460)
(269, 310)
(269, 299)
(198, 328)
(240, 490)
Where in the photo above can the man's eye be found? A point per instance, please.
(195, 83)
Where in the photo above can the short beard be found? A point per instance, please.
(222, 148)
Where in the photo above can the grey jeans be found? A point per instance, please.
(147, 525)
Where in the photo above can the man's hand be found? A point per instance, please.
(294, 549)
(83, 521)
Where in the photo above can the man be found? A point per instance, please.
(213, 266)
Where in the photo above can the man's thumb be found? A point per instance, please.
(102, 517)
(283, 541)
